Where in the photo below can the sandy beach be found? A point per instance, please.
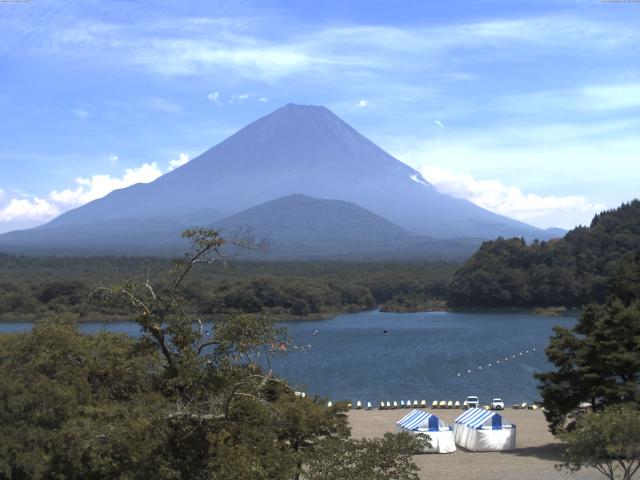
(534, 459)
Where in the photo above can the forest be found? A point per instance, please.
(177, 403)
(589, 264)
(31, 287)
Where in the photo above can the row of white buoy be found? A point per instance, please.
(500, 361)
(395, 405)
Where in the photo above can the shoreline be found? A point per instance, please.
(537, 311)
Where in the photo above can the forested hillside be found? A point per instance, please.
(34, 286)
(588, 264)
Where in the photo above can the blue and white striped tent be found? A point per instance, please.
(419, 422)
(481, 430)
(477, 418)
(419, 419)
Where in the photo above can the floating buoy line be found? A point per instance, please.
(498, 362)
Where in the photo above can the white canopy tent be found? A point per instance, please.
(481, 430)
(419, 422)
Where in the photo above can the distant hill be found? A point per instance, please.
(318, 226)
(299, 226)
(556, 232)
(587, 264)
(295, 227)
(296, 149)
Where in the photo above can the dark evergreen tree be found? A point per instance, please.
(598, 361)
(587, 265)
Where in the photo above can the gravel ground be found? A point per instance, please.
(534, 459)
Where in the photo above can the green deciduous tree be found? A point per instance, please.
(608, 441)
(366, 459)
(76, 406)
(186, 400)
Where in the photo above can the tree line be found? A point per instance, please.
(588, 265)
(31, 287)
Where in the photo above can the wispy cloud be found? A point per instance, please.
(509, 200)
(163, 105)
(80, 113)
(582, 98)
(193, 46)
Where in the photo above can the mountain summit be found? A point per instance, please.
(298, 149)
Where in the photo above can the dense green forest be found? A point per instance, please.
(587, 265)
(176, 403)
(34, 286)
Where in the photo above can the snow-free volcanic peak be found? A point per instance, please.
(300, 149)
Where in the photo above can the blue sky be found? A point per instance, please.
(528, 108)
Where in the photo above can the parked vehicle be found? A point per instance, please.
(473, 401)
(497, 404)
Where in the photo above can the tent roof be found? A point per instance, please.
(476, 417)
(415, 419)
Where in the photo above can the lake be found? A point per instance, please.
(432, 355)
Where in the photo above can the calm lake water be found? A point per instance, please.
(421, 357)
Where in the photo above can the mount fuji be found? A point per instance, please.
(296, 152)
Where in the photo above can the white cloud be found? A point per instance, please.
(363, 103)
(28, 210)
(25, 211)
(509, 200)
(98, 186)
(214, 98)
(263, 99)
(80, 113)
(113, 160)
(239, 98)
(182, 159)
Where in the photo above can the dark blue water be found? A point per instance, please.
(350, 357)
(421, 358)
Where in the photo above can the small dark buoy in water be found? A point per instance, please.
(315, 332)
(386, 332)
